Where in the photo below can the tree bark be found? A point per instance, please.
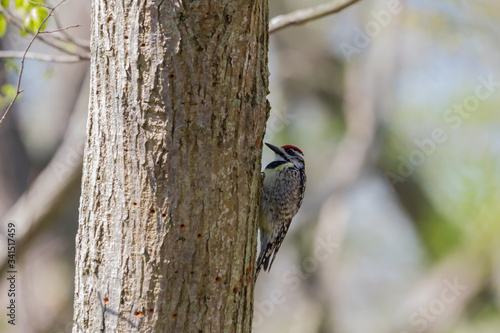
(167, 228)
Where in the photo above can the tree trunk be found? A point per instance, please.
(167, 229)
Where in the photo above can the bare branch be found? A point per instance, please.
(55, 187)
(309, 14)
(83, 44)
(19, 90)
(49, 40)
(60, 29)
(43, 57)
(40, 4)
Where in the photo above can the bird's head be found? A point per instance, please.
(288, 153)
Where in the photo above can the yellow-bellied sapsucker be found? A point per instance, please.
(282, 193)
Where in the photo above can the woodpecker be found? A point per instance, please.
(283, 189)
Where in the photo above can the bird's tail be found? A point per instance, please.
(265, 255)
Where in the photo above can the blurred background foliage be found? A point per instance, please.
(395, 105)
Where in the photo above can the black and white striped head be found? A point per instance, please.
(288, 153)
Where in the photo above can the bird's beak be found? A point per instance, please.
(277, 150)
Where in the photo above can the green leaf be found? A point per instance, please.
(27, 25)
(29, 4)
(35, 18)
(19, 4)
(25, 6)
(43, 12)
(3, 25)
(5, 3)
(7, 93)
(11, 65)
(8, 90)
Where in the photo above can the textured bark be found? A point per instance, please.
(167, 229)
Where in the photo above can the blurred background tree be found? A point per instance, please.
(397, 116)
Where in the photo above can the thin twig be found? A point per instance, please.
(68, 38)
(83, 44)
(302, 16)
(18, 89)
(45, 39)
(44, 57)
(40, 5)
(60, 29)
